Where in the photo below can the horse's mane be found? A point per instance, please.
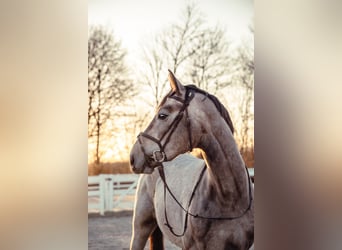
(220, 108)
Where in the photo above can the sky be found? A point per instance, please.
(133, 20)
(136, 21)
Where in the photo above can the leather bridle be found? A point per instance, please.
(159, 156)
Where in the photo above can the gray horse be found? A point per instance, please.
(196, 204)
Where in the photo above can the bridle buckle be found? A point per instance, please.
(156, 154)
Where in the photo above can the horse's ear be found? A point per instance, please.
(176, 86)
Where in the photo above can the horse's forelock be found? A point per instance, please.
(164, 99)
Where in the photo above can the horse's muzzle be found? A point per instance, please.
(140, 168)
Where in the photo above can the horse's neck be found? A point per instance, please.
(227, 174)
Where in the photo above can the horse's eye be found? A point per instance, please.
(162, 116)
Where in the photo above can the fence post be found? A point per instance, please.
(109, 192)
(102, 195)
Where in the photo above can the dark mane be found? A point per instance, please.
(220, 108)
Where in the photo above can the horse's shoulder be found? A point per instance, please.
(181, 174)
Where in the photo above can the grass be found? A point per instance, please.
(109, 168)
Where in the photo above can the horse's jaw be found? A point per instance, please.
(148, 170)
(145, 170)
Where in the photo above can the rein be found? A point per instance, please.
(186, 210)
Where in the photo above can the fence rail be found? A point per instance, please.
(108, 192)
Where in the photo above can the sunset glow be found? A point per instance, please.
(134, 23)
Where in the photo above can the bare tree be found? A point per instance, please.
(107, 81)
(180, 41)
(152, 75)
(209, 65)
(191, 48)
(245, 79)
(203, 56)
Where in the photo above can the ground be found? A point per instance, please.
(113, 231)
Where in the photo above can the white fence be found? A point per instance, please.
(108, 192)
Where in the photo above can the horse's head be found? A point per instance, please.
(170, 133)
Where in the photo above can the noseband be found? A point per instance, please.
(159, 156)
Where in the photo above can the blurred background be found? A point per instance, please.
(206, 43)
(44, 123)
